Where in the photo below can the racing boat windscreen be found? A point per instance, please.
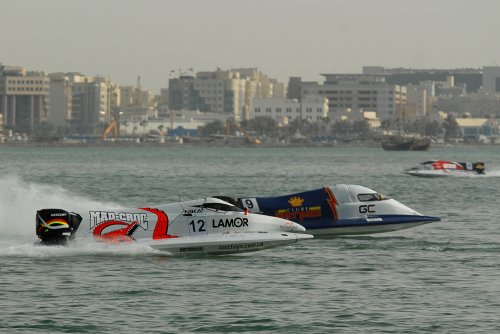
(372, 197)
(220, 207)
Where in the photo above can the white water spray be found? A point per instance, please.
(19, 202)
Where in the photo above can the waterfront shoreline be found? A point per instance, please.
(357, 144)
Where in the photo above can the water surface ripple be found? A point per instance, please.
(437, 278)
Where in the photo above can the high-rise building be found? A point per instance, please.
(417, 96)
(60, 110)
(24, 98)
(182, 94)
(294, 88)
(95, 102)
(84, 104)
(229, 92)
(491, 79)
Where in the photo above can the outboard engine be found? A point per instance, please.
(478, 167)
(56, 226)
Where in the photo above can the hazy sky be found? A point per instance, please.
(122, 39)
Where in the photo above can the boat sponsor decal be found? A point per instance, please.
(241, 246)
(230, 222)
(191, 249)
(59, 222)
(191, 211)
(442, 164)
(288, 227)
(108, 231)
(332, 202)
(374, 219)
(99, 217)
(251, 204)
(367, 208)
(296, 201)
(297, 211)
(58, 214)
(161, 226)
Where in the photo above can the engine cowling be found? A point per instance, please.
(56, 226)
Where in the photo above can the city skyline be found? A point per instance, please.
(157, 39)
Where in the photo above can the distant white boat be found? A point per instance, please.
(441, 168)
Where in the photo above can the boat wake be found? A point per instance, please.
(488, 173)
(492, 173)
(430, 173)
(25, 248)
(19, 201)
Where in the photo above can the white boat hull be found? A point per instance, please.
(360, 230)
(440, 173)
(226, 243)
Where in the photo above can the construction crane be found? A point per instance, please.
(111, 127)
(230, 124)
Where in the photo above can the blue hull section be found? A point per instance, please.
(316, 210)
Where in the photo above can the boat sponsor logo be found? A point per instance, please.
(374, 219)
(367, 208)
(191, 249)
(241, 246)
(191, 211)
(233, 222)
(296, 201)
(297, 211)
(114, 231)
(288, 227)
(99, 217)
(58, 214)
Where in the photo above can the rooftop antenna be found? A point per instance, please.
(139, 81)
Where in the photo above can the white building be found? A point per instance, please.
(358, 92)
(417, 95)
(284, 110)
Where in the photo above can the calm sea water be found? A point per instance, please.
(437, 278)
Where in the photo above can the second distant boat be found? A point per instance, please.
(437, 168)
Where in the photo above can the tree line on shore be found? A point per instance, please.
(340, 129)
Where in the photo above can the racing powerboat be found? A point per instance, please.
(338, 210)
(203, 226)
(439, 168)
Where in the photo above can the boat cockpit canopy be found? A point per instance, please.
(372, 197)
(217, 206)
